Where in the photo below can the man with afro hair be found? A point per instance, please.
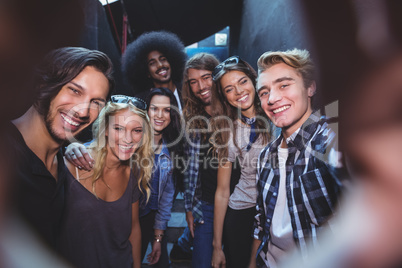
(155, 59)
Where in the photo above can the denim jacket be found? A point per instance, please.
(166, 189)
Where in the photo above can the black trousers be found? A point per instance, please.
(238, 237)
(147, 235)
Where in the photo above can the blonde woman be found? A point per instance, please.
(101, 224)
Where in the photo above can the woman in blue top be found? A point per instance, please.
(155, 214)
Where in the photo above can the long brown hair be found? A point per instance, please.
(194, 107)
(223, 126)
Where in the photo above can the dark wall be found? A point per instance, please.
(191, 20)
(98, 35)
(268, 25)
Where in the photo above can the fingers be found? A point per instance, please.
(218, 259)
(191, 228)
(78, 155)
(84, 157)
(154, 256)
(218, 265)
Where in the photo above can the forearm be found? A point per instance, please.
(222, 195)
(165, 205)
(254, 249)
(135, 236)
(159, 234)
(135, 240)
(221, 204)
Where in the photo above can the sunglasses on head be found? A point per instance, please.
(137, 102)
(228, 62)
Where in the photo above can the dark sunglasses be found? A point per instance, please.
(137, 102)
(228, 62)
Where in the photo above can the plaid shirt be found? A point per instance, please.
(313, 172)
(192, 185)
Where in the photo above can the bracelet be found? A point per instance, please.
(158, 235)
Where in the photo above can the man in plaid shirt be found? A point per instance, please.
(299, 174)
(200, 175)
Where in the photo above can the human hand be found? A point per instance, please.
(190, 222)
(253, 263)
(154, 256)
(218, 259)
(78, 155)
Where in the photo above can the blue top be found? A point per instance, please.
(96, 232)
(165, 189)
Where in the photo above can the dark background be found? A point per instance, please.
(328, 29)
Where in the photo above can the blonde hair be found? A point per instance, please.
(143, 153)
(297, 58)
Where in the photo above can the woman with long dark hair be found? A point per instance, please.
(155, 214)
(241, 131)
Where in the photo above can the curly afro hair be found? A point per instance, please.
(134, 60)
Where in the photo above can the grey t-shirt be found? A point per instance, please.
(95, 232)
(245, 193)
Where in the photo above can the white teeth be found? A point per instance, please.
(204, 93)
(243, 98)
(71, 122)
(126, 147)
(283, 108)
(162, 72)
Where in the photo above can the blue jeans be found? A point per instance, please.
(185, 241)
(203, 236)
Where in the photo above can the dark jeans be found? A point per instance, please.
(185, 241)
(203, 236)
(147, 235)
(237, 236)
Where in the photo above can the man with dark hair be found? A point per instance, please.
(73, 84)
(197, 95)
(155, 59)
(200, 177)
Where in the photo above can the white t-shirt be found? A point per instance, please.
(281, 241)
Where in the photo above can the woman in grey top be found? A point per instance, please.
(241, 133)
(101, 223)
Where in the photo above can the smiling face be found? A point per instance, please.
(124, 134)
(77, 104)
(159, 112)
(200, 82)
(284, 97)
(239, 91)
(158, 68)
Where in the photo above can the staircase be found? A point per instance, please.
(175, 228)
